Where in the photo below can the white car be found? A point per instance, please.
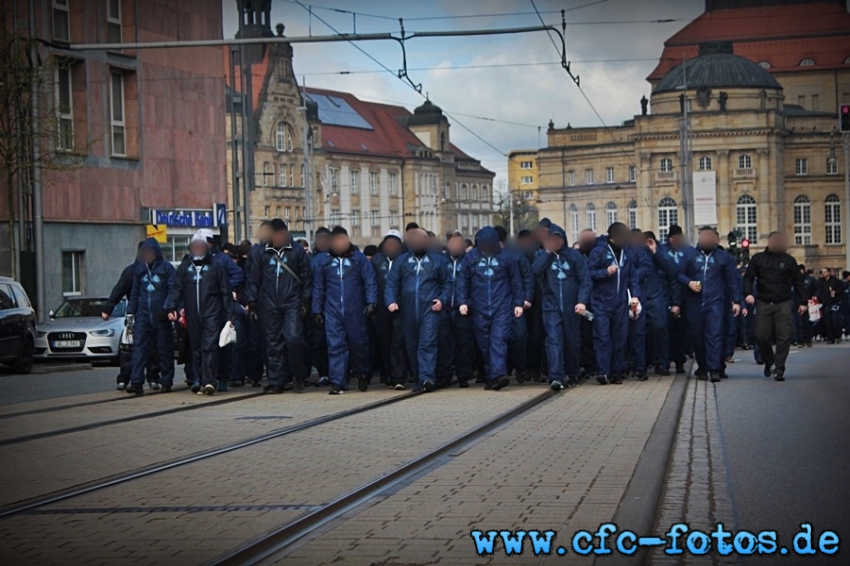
(76, 331)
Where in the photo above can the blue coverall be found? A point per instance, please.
(151, 329)
(456, 352)
(661, 291)
(342, 287)
(706, 310)
(637, 327)
(565, 283)
(278, 297)
(491, 287)
(413, 283)
(679, 342)
(610, 298)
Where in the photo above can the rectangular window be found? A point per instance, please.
(527, 180)
(334, 174)
(355, 217)
(525, 165)
(831, 166)
(393, 219)
(64, 109)
(801, 101)
(464, 220)
(267, 211)
(61, 21)
(632, 217)
(282, 176)
(802, 224)
(588, 176)
(267, 172)
(113, 20)
(392, 181)
(373, 217)
(609, 174)
(373, 183)
(119, 140)
(277, 212)
(354, 181)
(632, 173)
(815, 102)
(801, 166)
(292, 175)
(335, 216)
(832, 217)
(72, 273)
(287, 212)
(572, 178)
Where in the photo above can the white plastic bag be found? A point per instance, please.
(227, 336)
(814, 311)
(634, 312)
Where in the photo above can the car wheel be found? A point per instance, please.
(24, 362)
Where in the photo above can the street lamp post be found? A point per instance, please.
(845, 139)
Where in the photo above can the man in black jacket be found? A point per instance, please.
(778, 281)
(830, 289)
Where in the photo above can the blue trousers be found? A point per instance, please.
(239, 362)
(149, 335)
(420, 340)
(492, 334)
(285, 346)
(637, 343)
(706, 326)
(657, 333)
(348, 345)
(611, 332)
(456, 347)
(563, 340)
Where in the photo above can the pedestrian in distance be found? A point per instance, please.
(345, 296)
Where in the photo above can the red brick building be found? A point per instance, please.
(143, 130)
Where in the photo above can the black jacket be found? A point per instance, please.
(122, 288)
(203, 290)
(825, 288)
(271, 285)
(777, 278)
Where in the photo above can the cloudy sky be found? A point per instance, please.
(500, 92)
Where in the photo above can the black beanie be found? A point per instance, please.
(278, 225)
(322, 230)
(674, 230)
(339, 231)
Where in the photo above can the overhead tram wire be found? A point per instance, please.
(387, 69)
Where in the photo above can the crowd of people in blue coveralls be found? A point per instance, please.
(425, 313)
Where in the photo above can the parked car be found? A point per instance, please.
(76, 331)
(17, 326)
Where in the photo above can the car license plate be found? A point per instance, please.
(67, 344)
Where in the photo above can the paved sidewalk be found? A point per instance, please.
(563, 467)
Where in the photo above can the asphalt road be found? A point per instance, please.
(787, 445)
(37, 386)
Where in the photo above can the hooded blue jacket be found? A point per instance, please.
(414, 282)
(716, 270)
(490, 285)
(151, 284)
(564, 276)
(614, 289)
(453, 267)
(661, 284)
(343, 284)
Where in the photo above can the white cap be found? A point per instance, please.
(205, 233)
(393, 234)
(198, 237)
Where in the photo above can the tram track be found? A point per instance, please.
(69, 406)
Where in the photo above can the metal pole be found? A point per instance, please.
(248, 164)
(511, 209)
(846, 204)
(308, 175)
(37, 203)
(234, 151)
(687, 197)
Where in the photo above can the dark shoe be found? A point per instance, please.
(602, 378)
(556, 385)
(641, 376)
(222, 385)
(135, 389)
(196, 387)
(809, 344)
(400, 386)
(273, 389)
(521, 377)
(462, 383)
(256, 384)
(768, 370)
(363, 383)
(573, 382)
(714, 376)
(616, 379)
(235, 383)
(428, 386)
(759, 362)
(779, 376)
(662, 371)
(680, 368)
(335, 390)
(501, 383)
(298, 385)
(702, 376)
(723, 374)
(488, 386)
(166, 389)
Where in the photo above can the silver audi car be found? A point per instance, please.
(76, 331)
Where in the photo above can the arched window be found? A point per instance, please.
(610, 213)
(807, 62)
(283, 137)
(764, 64)
(832, 219)
(574, 229)
(633, 214)
(666, 165)
(668, 214)
(745, 161)
(802, 221)
(475, 193)
(591, 216)
(463, 191)
(746, 218)
(705, 164)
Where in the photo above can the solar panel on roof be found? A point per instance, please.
(335, 111)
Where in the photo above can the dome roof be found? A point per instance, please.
(427, 113)
(717, 67)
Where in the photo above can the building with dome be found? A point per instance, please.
(372, 167)
(760, 160)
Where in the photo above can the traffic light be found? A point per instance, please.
(745, 250)
(732, 239)
(844, 118)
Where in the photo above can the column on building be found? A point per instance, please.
(384, 199)
(646, 200)
(726, 197)
(770, 208)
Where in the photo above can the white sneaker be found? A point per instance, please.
(154, 386)
(121, 386)
(209, 389)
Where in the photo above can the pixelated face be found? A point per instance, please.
(708, 239)
(148, 255)
(280, 238)
(456, 246)
(198, 248)
(340, 243)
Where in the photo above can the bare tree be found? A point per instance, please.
(525, 211)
